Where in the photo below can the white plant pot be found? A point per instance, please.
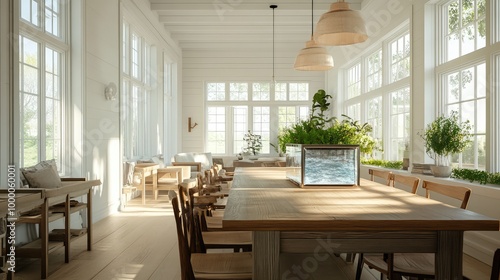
(441, 171)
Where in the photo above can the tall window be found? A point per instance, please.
(138, 66)
(400, 123)
(233, 108)
(374, 118)
(466, 94)
(465, 29)
(43, 49)
(216, 130)
(374, 100)
(374, 70)
(354, 81)
(400, 58)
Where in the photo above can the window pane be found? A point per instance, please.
(261, 91)
(52, 17)
(400, 58)
(280, 92)
(29, 11)
(29, 118)
(453, 18)
(400, 124)
(374, 69)
(466, 95)
(238, 91)
(136, 54)
(466, 28)
(240, 127)
(262, 126)
(216, 132)
(216, 91)
(354, 81)
(374, 114)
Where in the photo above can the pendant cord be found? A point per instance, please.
(312, 18)
(273, 7)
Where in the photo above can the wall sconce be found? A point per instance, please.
(191, 126)
(110, 91)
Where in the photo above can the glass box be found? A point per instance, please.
(322, 165)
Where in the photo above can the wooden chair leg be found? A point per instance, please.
(359, 268)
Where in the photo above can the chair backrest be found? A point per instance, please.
(182, 238)
(495, 266)
(385, 175)
(410, 181)
(456, 192)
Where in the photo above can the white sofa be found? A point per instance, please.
(199, 162)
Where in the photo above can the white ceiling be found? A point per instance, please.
(225, 24)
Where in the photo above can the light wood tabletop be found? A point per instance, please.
(368, 218)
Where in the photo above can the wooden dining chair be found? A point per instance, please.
(419, 265)
(495, 266)
(384, 175)
(235, 240)
(406, 180)
(207, 266)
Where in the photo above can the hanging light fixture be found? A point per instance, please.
(340, 26)
(313, 57)
(273, 82)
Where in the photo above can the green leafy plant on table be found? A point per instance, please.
(446, 136)
(254, 143)
(321, 129)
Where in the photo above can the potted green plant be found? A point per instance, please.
(254, 143)
(321, 129)
(444, 137)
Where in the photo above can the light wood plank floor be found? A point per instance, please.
(140, 243)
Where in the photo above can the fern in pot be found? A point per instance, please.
(444, 137)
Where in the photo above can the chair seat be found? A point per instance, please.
(214, 223)
(227, 239)
(222, 266)
(418, 263)
(170, 181)
(221, 203)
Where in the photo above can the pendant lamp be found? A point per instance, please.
(273, 82)
(340, 26)
(313, 57)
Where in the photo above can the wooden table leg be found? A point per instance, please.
(449, 255)
(89, 220)
(67, 228)
(143, 185)
(44, 239)
(266, 255)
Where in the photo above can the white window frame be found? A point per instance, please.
(59, 44)
(359, 103)
(137, 103)
(443, 30)
(232, 140)
(487, 55)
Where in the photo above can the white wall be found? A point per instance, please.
(102, 119)
(101, 130)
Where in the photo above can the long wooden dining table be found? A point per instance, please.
(369, 218)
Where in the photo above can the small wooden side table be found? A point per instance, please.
(145, 170)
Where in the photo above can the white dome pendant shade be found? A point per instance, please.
(313, 57)
(340, 26)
